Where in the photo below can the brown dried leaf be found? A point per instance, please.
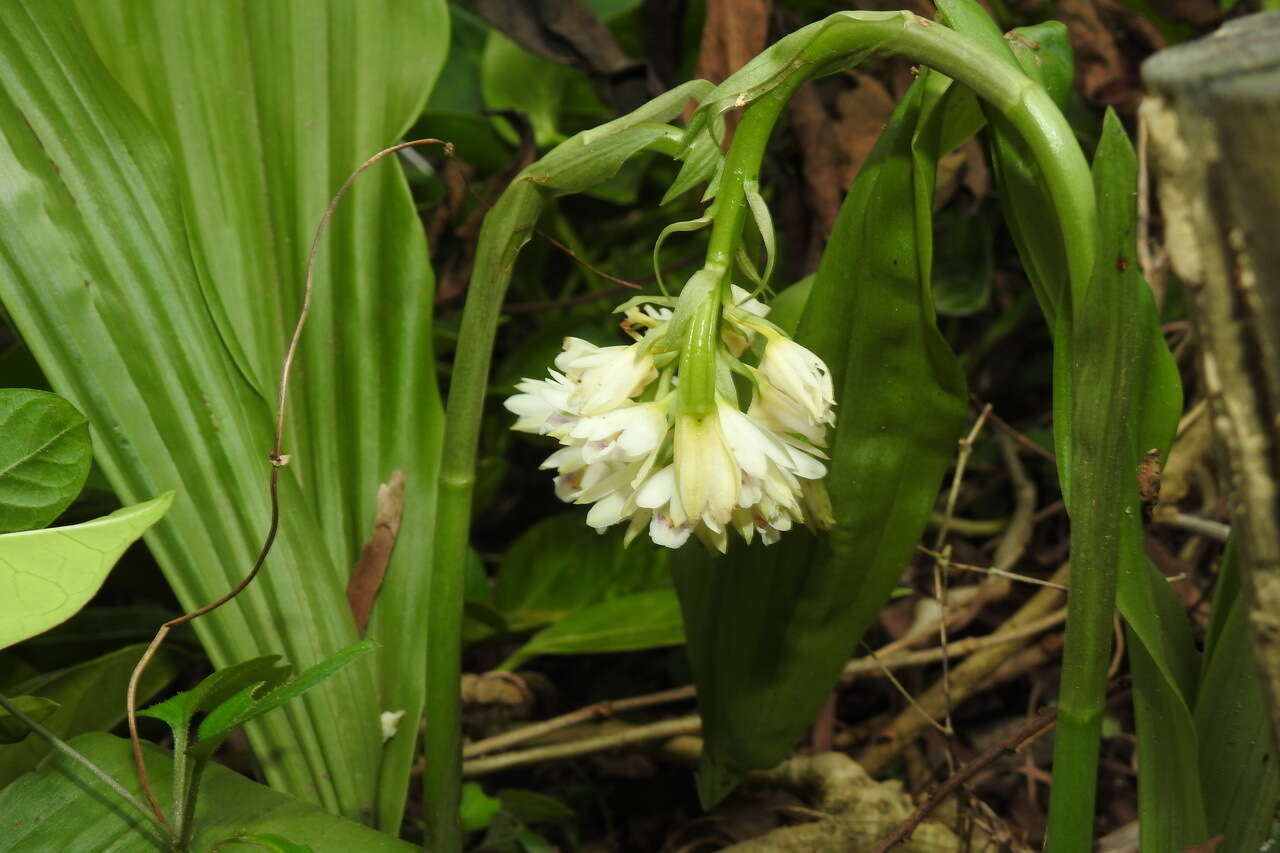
(823, 157)
(371, 568)
(862, 114)
(733, 33)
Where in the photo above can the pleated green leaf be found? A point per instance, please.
(153, 233)
(44, 457)
(264, 132)
(62, 807)
(769, 628)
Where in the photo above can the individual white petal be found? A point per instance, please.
(541, 405)
(628, 432)
(744, 300)
(784, 415)
(804, 465)
(658, 489)
(707, 475)
(665, 532)
(751, 442)
(607, 511)
(639, 521)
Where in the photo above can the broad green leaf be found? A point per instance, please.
(642, 620)
(515, 79)
(44, 457)
(13, 730)
(263, 841)
(91, 698)
(159, 213)
(964, 264)
(50, 810)
(770, 628)
(268, 107)
(1238, 770)
(560, 565)
(48, 575)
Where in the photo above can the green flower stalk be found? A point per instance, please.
(663, 417)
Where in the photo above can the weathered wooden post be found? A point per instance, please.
(1213, 118)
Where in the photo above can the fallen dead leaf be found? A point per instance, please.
(733, 33)
(862, 113)
(368, 573)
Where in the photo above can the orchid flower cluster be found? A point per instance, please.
(653, 433)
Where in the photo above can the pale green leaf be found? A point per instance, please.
(46, 576)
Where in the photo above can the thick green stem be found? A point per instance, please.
(181, 736)
(742, 166)
(505, 230)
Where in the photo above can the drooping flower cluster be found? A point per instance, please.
(632, 451)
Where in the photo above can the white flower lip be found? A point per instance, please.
(631, 453)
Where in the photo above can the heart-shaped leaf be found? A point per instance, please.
(44, 457)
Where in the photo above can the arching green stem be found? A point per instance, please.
(832, 45)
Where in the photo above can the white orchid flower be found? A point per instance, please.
(641, 447)
(604, 377)
(800, 375)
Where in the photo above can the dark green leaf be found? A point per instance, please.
(1126, 403)
(38, 708)
(770, 628)
(44, 457)
(963, 262)
(253, 701)
(642, 620)
(1238, 770)
(179, 711)
(532, 808)
(81, 691)
(561, 565)
(61, 807)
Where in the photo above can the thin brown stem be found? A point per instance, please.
(277, 459)
(1042, 722)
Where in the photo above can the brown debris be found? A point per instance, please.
(371, 568)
